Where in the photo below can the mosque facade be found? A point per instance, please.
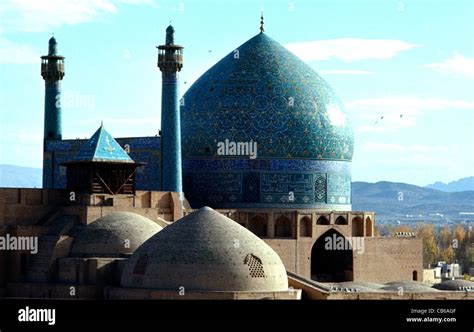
(112, 220)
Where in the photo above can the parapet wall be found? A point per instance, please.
(24, 207)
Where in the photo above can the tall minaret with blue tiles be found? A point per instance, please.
(52, 70)
(170, 62)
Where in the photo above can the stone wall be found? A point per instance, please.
(38, 206)
(389, 259)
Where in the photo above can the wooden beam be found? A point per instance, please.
(118, 190)
(105, 184)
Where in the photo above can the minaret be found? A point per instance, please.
(170, 62)
(52, 70)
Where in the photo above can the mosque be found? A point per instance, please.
(177, 216)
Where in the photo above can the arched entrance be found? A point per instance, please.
(331, 258)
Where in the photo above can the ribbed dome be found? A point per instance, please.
(113, 235)
(205, 251)
(263, 92)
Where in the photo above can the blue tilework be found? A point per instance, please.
(102, 147)
(264, 93)
(171, 133)
(52, 110)
(270, 96)
(142, 149)
(267, 182)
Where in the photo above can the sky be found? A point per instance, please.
(403, 68)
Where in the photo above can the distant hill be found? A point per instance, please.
(20, 177)
(400, 201)
(463, 184)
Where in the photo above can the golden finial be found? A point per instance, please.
(262, 29)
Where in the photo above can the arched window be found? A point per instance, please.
(283, 227)
(368, 227)
(306, 227)
(322, 221)
(358, 227)
(415, 275)
(258, 226)
(341, 221)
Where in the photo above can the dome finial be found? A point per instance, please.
(262, 29)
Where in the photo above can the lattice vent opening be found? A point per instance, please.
(255, 266)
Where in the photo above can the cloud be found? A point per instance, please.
(416, 156)
(398, 112)
(410, 103)
(346, 72)
(44, 15)
(16, 53)
(456, 65)
(349, 49)
(414, 148)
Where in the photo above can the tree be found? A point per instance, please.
(447, 254)
(445, 238)
(430, 244)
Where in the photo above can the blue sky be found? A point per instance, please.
(383, 57)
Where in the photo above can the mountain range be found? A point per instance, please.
(394, 201)
(391, 201)
(463, 184)
(20, 177)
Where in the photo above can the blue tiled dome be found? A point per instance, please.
(261, 92)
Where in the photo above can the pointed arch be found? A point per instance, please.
(331, 258)
(306, 227)
(357, 226)
(369, 227)
(322, 221)
(341, 220)
(283, 226)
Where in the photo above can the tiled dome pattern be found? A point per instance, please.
(263, 93)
